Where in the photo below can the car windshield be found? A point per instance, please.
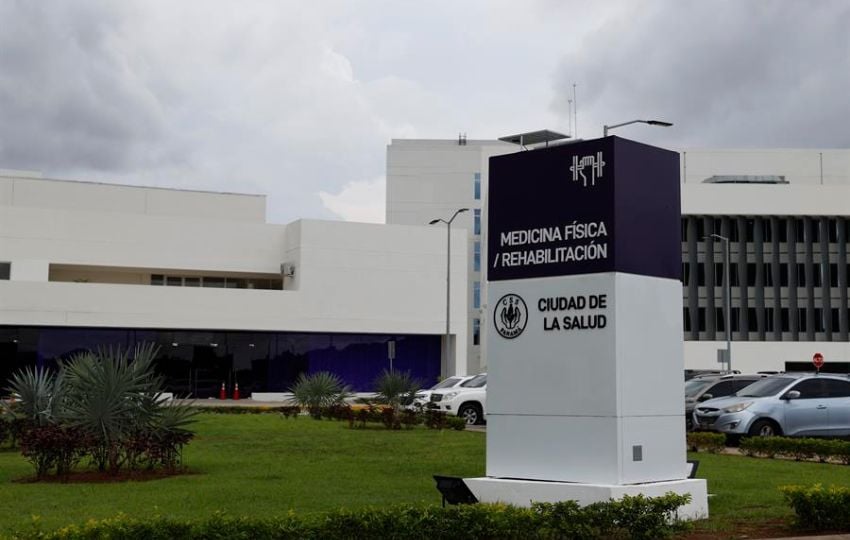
(446, 383)
(694, 386)
(476, 382)
(765, 387)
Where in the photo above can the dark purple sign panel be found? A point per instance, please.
(606, 205)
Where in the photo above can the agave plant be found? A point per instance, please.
(39, 395)
(395, 388)
(317, 391)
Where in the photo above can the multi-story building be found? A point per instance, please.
(226, 296)
(431, 179)
(784, 213)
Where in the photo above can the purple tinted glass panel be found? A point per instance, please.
(196, 363)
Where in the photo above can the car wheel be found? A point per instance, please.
(471, 413)
(763, 428)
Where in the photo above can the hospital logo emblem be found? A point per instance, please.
(510, 316)
(587, 168)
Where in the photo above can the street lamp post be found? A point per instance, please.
(727, 290)
(650, 122)
(448, 275)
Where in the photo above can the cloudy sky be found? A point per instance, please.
(298, 100)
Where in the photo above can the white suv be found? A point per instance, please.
(468, 400)
(422, 397)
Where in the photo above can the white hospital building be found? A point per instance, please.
(225, 295)
(229, 297)
(785, 213)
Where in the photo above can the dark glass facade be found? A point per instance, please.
(196, 362)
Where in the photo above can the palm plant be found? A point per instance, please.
(110, 395)
(39, 395)
(395, 388)
(319, 390)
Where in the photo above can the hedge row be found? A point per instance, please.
(706, 441)
(797, 448)
(358, 416)
(242, 409)
(819, 509)
(631, 517)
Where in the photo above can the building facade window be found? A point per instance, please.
(476, 186)
(476, 221)
(195, 362)
(476, 256)
(5, 270)
(476, 294)
(217, 282)
(476, 331)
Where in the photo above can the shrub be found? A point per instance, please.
(819, 509)
(53, 446)
(797, 448)
(455, 422)
(435, 419)
(40, 395)
(105, 404)
(395, 388)
(317, 391)
(632, 517)
(706, 441)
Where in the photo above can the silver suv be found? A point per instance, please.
(705, 387)
(792, 404)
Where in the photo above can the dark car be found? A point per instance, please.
(705, 387)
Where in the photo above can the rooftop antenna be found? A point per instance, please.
(570, 117)
(575, 112)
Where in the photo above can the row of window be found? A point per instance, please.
(217, 282)
(748, 232)
(817, 274)
(819, 317)
(476, 223)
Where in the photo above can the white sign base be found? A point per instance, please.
(585, 393)
(524, 492)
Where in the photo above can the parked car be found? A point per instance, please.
(705, 387)
(791, 404)
(467, 400)
(422, 397)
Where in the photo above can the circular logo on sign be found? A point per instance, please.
(510, 316)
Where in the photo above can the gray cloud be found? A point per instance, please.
(298, 101)
(763, 74)
(66, 96)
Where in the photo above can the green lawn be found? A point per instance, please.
(262, 465)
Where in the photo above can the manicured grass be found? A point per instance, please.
(744, 490)
(260, 465)
(263, 465)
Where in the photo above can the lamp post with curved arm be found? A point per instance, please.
(650, 122)
(727, 290)
(448, 275)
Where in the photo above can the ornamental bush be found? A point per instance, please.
(706, 441)
(797, 448)
(636, 517)
(820, 509)
(104, 405)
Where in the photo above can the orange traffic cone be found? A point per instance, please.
(236, 391)
(222, 394)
